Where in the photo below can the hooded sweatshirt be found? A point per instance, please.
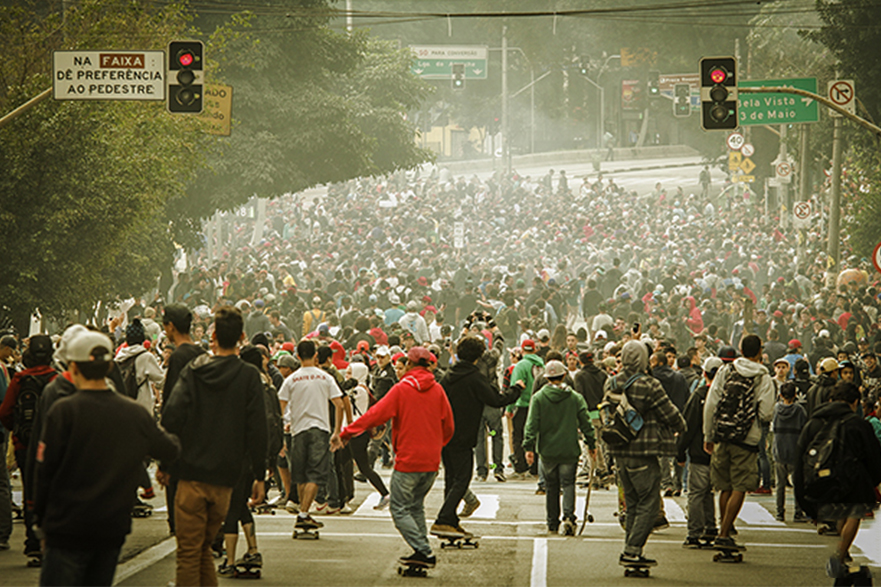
(555, 417)
(695, 321)
(661, 419)
(147, 372)
(789, 419)
(217, 410)
(422, 421)
(468, 391)
(523, 372)
(763, 390)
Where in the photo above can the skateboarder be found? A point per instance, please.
(556, 414)
(422, 423)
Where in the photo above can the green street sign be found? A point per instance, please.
(436, 61)
(777, 108)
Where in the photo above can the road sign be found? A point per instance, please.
(459, 235)
(740, 167)
(777, 108)
(841, 93)
(876, 257)
(801, 213)
(217, 109)
(743, 178)
(735, 141)
(436, 61)
(783, 171)
(669, 81)
(747, 149)
(108, 75)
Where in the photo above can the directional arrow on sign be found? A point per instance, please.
(807, 101)
(477, 71)
(418, 71)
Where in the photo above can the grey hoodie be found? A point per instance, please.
(764, 394)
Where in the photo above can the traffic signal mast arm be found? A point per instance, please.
(821, 99)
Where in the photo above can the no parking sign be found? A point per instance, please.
(876, 257)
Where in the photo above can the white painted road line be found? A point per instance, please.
(674, 512)
(754, 513)
(146, 559)
(489, 507)
(539, 563)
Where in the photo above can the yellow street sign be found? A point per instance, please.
(747, 165)
(734, 160)
(743, 178)
(217, 110)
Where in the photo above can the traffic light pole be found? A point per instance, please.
(833, 246)
(506, 161)
(25, 107)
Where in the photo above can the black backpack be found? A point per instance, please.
(129, 374)
(736, 411)
(620, 422)
(827, 464)
(25, 410)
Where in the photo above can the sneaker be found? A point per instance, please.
(417, 557)
(317, 508)
(668, 493)
(633, 559)
(466, 533)
(148, 493)
(346, 510)
(800, 519)
(481, 478)
(780, 518)
(661, 523)
(834, 568)
(763, 491)
(226, 570)
(255, 559)
(541, 491)
(328, 511)
(383, 502)
(515, 476)
(292, 507)
(469, 508)
(568, 528)
(307, 523)
(360, 478)
(446, 531)
(727, 542)
(692, 542)
(500, 476)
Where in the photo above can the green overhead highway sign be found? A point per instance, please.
(777, 108)
(436, 61)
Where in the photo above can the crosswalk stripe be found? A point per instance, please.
(489, 507)
(366, 508)
(539, 563)
(674, 512)
(754, 513)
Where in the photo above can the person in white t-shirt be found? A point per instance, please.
(305, 397)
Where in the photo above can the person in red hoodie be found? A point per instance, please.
(694, 320)
(422, 423)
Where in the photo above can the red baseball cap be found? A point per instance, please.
(795, 343)
(417, 353)
(528, 345)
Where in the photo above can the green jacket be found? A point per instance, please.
(555, 416)
(523, 372)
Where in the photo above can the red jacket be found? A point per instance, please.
(422, 421)
(6, 409)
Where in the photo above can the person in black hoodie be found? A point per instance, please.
(701, 508)
(676, 387)
(93, 444)
(217, 409)
(862, 455)
(589, 382)
(468, 391)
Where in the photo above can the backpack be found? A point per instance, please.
(25, 409)
(826, 464)
(620, 422)
(376, 431)
(129, 372)
(736, 411)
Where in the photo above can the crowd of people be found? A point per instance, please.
(415, 320)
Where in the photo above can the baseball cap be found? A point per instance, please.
(727, 354)
(89, 346)
(258, 303)
(288, 361)
(41, 345)
(554, 369)
(712, 364)
(781, 360)
(823, 333)
(412, 306)
(828, 365)
(795, 343)
(9, 341)
(528, 345)
(382, 351)
(418, 353)
(66, 338)
(543, 334)
(601, 334)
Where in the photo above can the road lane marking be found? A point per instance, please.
(539, 563)
(148, 558)
(868, 540)
(489, 507)
(673, 510)
(754, 513)
(366, 508)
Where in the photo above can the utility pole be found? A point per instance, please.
(783, 188)
(506, 162)
(803, 175)
(833, 246)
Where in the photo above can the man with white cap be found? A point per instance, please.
(821, 390)
(94, 443)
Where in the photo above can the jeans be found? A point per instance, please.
(519, 423)
(492, 420)
(31, 542)
(68, 566)
(408, 491)
(458, 464)
(671, 474)
(641, 480)
(701, 508)
(200, 509)
(5, 492)
(764, 463)
(599, 464)
(560, 476)
(783, 473)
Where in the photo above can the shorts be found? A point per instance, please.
(310, 456)
(840, 511)
(733, 468)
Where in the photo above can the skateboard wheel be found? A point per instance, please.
(590, 518)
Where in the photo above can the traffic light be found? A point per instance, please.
(653, 84)
(458, 76)
(718, 93)
(681, 100)
(584, 65)
(185, 76)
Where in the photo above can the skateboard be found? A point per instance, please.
(857, 576)
(263, 508)
(587, 516)
(636, 569)
(245, 570)
(704, 543)
(305, 534)
(412, 569)
(728, 555)
(622, 507)
(456, 541)
(142, 511)
(35, 561)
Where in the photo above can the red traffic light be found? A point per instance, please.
(185, 58)
(718, 75)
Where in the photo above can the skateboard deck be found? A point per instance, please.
(728, 555)
(457, 541)
(586, 515)
(263, 508)
(247, 571)
(857, 576)
(412, 569)
(305, 534)
(636, 569)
